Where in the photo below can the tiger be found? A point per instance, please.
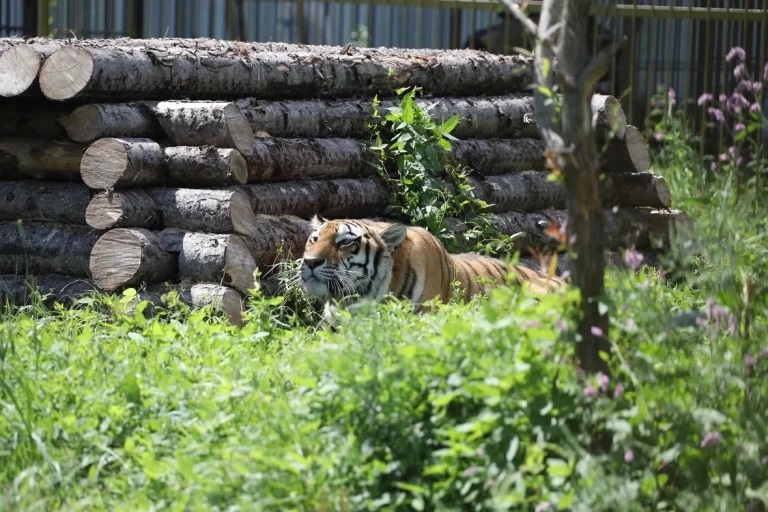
(357, 260)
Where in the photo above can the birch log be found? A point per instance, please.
(104, 120)
(630, 154)
(640, 189)
(22, 157)
(278, 238)
(63, 203)
(123, 162)
(198, 295)
(35, 248)
(232, 71)
(122, 209)
(498, 156)
(192, 166)
(525, 191)
(129, 257)
(217, 124)
(206, 257)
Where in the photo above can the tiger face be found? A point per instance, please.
(347, 260)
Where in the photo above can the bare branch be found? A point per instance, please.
(598, 66)
(518, 13)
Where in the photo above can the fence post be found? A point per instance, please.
(135, 18)
(42, 13)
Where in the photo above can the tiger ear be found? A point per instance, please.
(393, 236)
(318, 221)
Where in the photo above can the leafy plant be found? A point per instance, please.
(428, 188)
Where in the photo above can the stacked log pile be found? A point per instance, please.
(187, 164)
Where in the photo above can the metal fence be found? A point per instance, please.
(671, 43)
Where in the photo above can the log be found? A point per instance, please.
(123, 162)
(50, 289)
(34, 248)
(331, 198)
(480, 117)
(22, 157)
(223, 299)
(234, 71)
(218, 124)
(526, 191)
(129, 257)
(128, 162)
(640, 189)
(630, 154)
(205, 210)
(103, 120)
(278, 238)
(206, 166)
(121, 209)
(63, 203)
(209, 257)
(35, 119)
(608, 117)
(499, 156)
(19, 66)
(279, 159)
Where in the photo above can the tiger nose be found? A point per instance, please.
(313, 263)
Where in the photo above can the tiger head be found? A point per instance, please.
(349, 258)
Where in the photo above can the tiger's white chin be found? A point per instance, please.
(315, 287)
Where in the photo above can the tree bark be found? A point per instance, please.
(34, 248)
(630, 154)
(217, 124)
(95, 121)
(332, 198)
(35, 119)
(525, 191)
(230, 71)
(499, 156)
(206, 166)
(278, 238)
(199, 295)
(130, 257)
(206, 257)
(62, 203)
(480, 117)
(639, 189)
(52, 289)
(277, 159)
(124, 162)
(38, 159)
(205, 210)
(122, 209)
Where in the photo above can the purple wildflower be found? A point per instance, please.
(658, 136)
(711, 439)
(717, 114)
(740, 161)
(630, 325)
(596, 331)
(765, 72)
(629, 456)
(618, 390)
(755, 108)
(723, 157)
(749, 362)
(705, 98)
(713, 167)
(590, 390)
(738, 127)
(671, 96)
(722, 98)
(733, 326)
(737, 53)
(736, 102)
(739, 70)
(744, 85)
(701, 323)
(633, 258)
(544, 505)
(757, 87)
(603, 381)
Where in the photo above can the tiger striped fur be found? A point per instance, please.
(354, 260)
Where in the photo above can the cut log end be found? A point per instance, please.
(239, 129)
(122, 209)
(129, 257)
(66, 73)
(18, 69)
(103, 163)
(85, 124)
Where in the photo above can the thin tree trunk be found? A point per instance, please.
(206, 257)
(22, 157)
(62, 203)
(34, 248)
(232, 70)
(130, 257)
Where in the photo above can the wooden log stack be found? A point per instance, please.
(188, 164)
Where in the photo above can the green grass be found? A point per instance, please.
(472, 407)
